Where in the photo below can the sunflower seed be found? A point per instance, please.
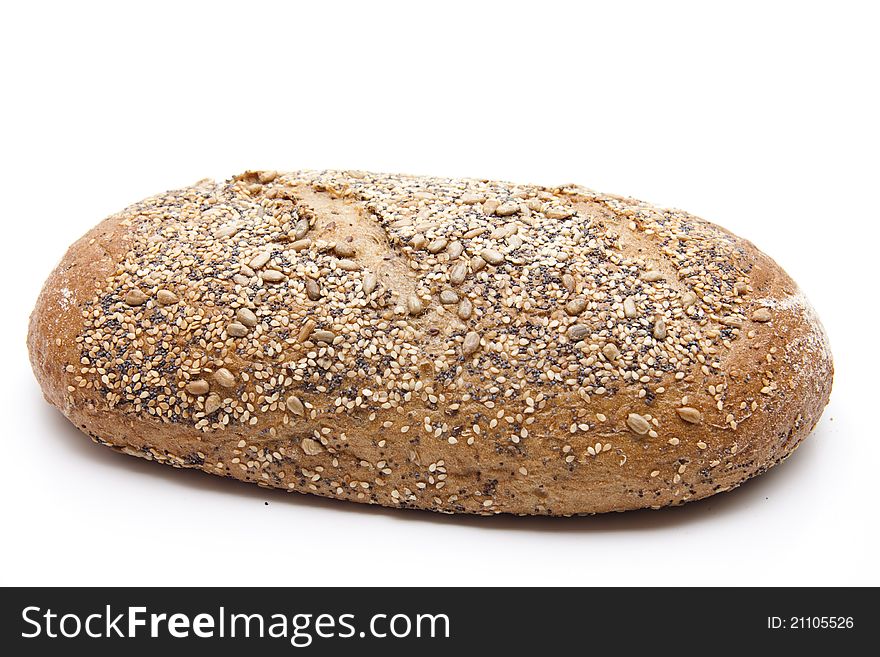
(313, 291)
(224, 377)
(369, 282)
(761, 315)
(344, 249)
(465, 308)
(246, 317)
(576, 306)
(454, 250)
(300, 245)
(731, 321)
(197, 387)
(577, 332)
(166, 297)
(295, 406)
(311, 447)
(236, 330)
(477, 264)
(471, 343)
(213, 403)
(652, 276)
(506, 209)
(689, 414)
(637, 424)
(324, 336)
(469, 198)
(347, 265)
(629, 308)
(611, 351)
(227, 231)
(260, 260)
(436, 246)
(272, 276)
(241, 279)
(458, 273)
(534, 205)
(306, 331)
(135, 298)
(301, 228)
(474, 232)
(568, 282)
(418, 241)
(448, 297)
(414, 305)
(503, 231)
(688, 299)
(558, 213)
(492, 256)
(490, 206)
(660, 329)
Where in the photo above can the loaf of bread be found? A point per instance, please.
(462, 346)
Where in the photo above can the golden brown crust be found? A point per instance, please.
(487, 347)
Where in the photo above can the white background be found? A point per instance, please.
(762, 117)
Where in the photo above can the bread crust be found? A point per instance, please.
(397, 407)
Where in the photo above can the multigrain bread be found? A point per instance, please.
(463, 346)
